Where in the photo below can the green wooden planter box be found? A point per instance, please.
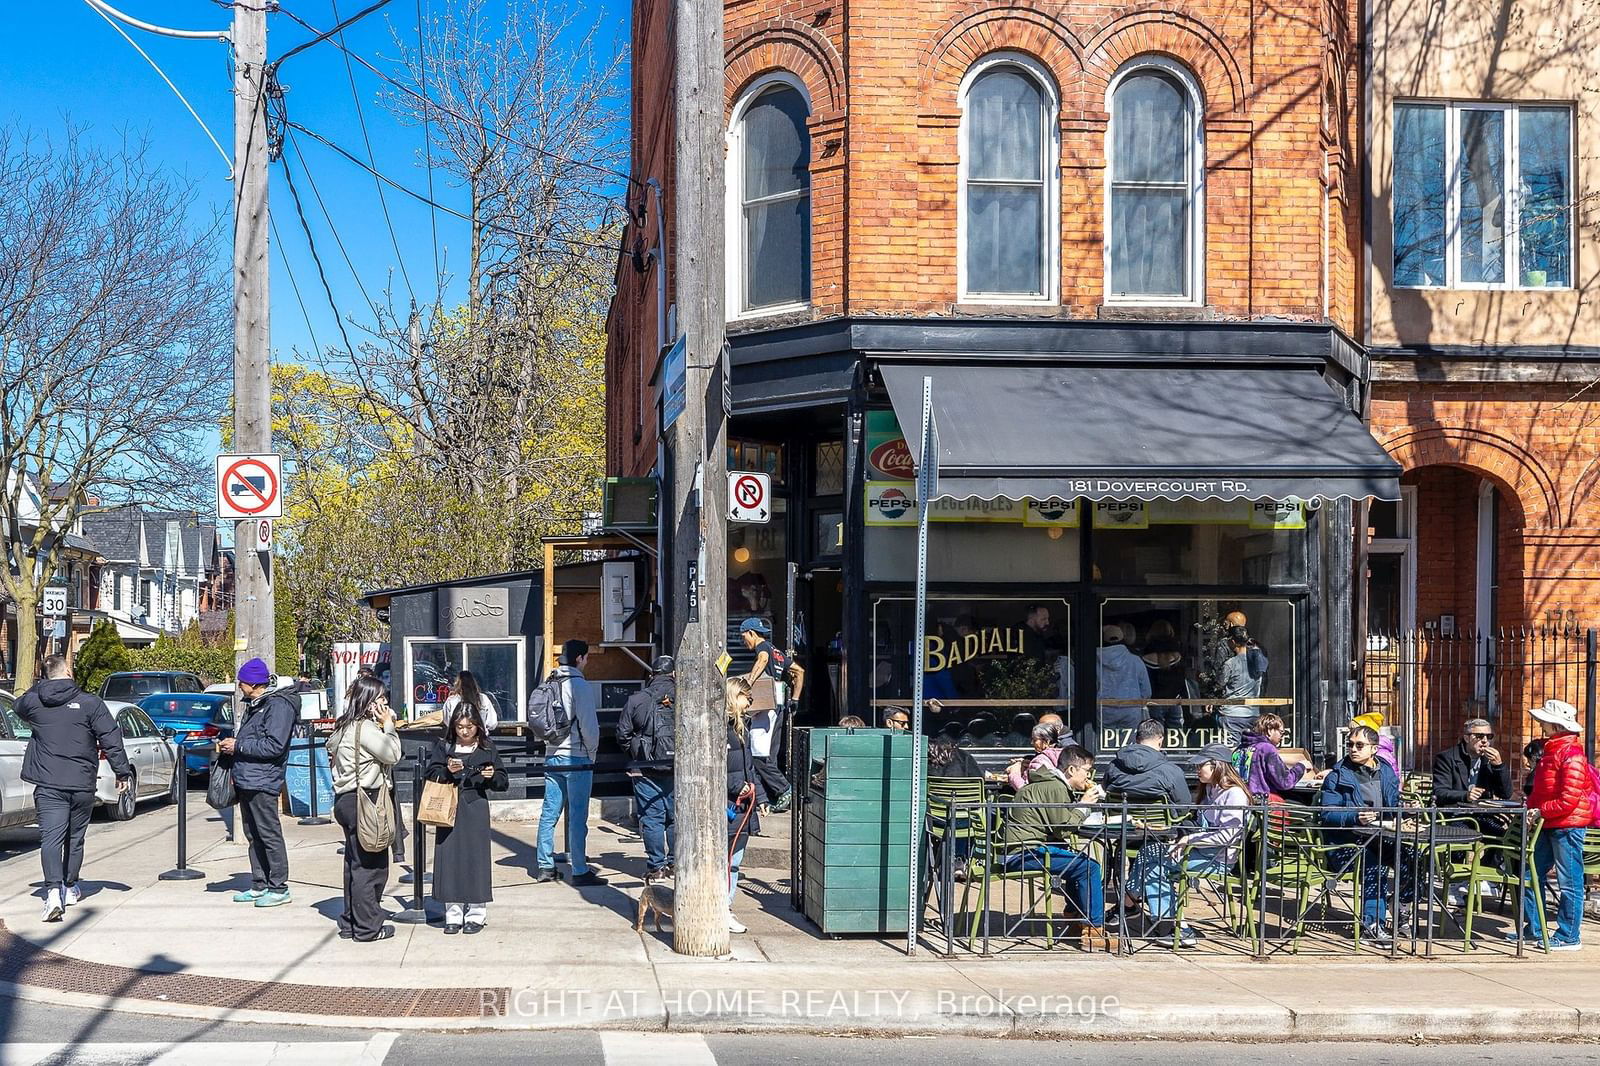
(856, 845)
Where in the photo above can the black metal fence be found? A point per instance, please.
(1295, 879)
(1427, 684)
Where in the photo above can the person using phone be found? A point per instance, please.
(362, 750)
(463, 879)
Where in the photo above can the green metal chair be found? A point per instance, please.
(1232, 882)
(945, 795)
(1484, 870)
(1301, 861)
(981, 870)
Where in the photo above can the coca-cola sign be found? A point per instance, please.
(891, 461)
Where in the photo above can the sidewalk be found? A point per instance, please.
(555, 956)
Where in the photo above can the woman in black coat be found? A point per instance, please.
(742, 817)
(463, 880)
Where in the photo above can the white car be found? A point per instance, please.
(151, 755)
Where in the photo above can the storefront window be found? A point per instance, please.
(1172, 660)
(1185, 542)
(432, 666)
(757, 580)
(994, 664)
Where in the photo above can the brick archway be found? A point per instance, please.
(1518, 474)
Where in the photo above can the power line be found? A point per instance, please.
(327, 217)
(320, 37)
(427, 147)
(299, 210)
(316, 345)
(110, 12)
(289, 123)
(383, 201)
(458, 116)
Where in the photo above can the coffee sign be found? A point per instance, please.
(467, 613)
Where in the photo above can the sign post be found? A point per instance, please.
(54, 600)
(249, 486)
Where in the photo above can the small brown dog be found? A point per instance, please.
(656, 897)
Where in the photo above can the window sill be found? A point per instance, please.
(769, 312)
(1177, 312)
(1483, 288)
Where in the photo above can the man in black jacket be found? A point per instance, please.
(1141, 773)
(259, 749)
(645, 732)
(1472, 770)
(70, 730)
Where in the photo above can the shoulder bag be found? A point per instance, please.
(374, 814)
(220, 792)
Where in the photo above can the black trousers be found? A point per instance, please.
(269, 859)
(63, 822)
(365, 875)
(769, 775)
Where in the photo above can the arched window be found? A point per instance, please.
(1153, 218)
(769, 247)
(1009, 166)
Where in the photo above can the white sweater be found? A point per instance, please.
(380, 749)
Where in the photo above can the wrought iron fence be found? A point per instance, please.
(1427, 684)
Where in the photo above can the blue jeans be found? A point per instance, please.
(1080, 877)
(569, 792)
(652, 795)
(1155, 876)
(734, 862)
(1563, 849)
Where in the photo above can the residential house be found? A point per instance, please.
(158, 570)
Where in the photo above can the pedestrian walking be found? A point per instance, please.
(259, 749)
(1561, 807)
(463, 880)
(743, 818)
(71, 729)
(568, 696)
(362, 749)
(766, 712)
(646, 732)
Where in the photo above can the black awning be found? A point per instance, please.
(1141, 432)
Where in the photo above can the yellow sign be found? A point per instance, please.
(942, 654)
(240, 644)
(1052, 512)
(1121, 514)
(723, 662)
(1277, 514)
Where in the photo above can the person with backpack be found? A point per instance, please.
(362, 750)
(1262, 766)
(562, 714)
(1566, 798)
(71, 730)
(766, 721)
(646, 733)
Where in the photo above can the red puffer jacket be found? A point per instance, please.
(1561, 792)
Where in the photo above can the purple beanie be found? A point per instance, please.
(255, 672)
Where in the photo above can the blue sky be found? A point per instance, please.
(66, 63)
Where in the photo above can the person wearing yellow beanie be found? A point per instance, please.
(1373, 720)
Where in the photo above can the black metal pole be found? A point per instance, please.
(180, 773)
(1589, 694)
(416, 914)
(314, 817)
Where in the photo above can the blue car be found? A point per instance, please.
(197, 719)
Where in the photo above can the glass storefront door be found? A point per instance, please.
(431, 667)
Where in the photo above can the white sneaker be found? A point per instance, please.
(71, 896)
(53, 907)
(734, 925)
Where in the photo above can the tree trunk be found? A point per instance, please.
(27, 635)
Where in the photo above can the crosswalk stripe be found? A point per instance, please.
(652, 1049)
(203, 1053)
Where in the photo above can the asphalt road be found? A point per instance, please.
(40, 1034)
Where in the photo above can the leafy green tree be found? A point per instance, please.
(186, 651)
(102, 654)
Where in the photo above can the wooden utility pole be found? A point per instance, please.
(700, 488)
(252, 387)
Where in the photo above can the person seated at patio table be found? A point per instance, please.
(1036, 835)
(946, 759)
(1471, 771)
(1266, 772)
(1210, 852)
(1046, 741)
(1141, 773)
(1352, 795)
(1374, 720)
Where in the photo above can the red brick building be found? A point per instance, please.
(1125, 235)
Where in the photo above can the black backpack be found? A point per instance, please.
(663, 732)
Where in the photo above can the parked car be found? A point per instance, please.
(16, 795)
(197, 721)
(225, 688)
(151, 755)
(137, 684)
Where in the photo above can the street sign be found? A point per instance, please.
(59, 630)
(264, 536)
(749, 496)
(249, 486)
(674, 383)
(54, 600)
